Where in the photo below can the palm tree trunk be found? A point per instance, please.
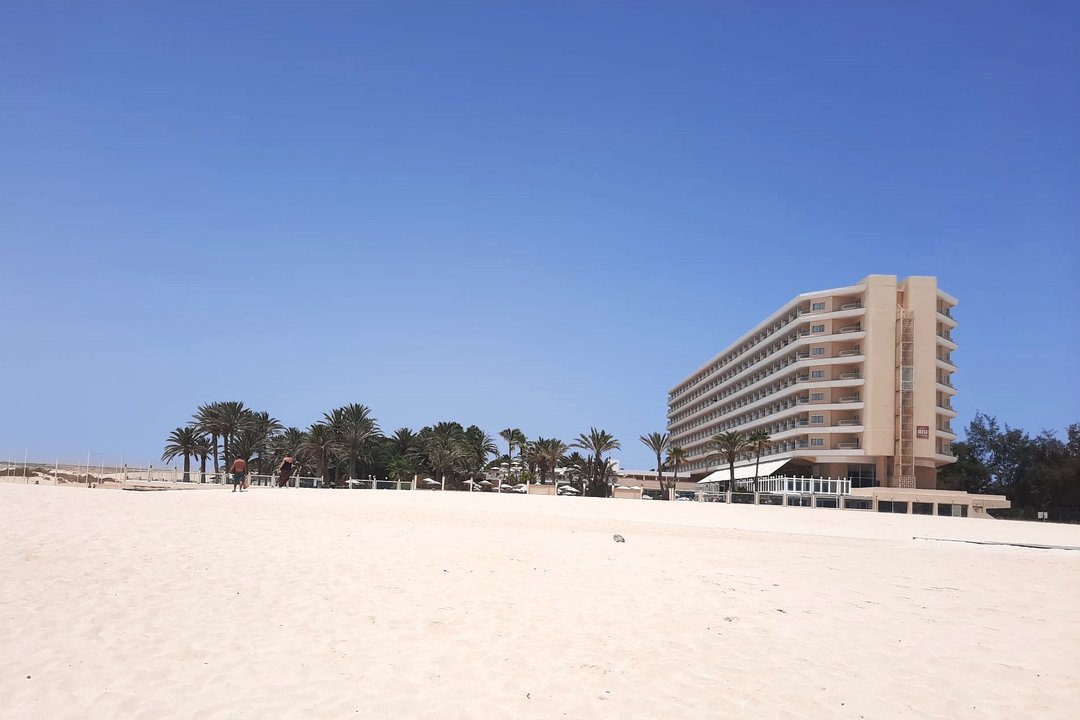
(217, 468)
(660, 477)
(202, 468)
(187, 468)
(731, 469)
(352, 467)
(757, 465)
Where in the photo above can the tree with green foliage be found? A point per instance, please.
(444, 452)
(207, 420)
(476, 447)
(357, 434)
(759, 442)
(597, 443)
(547, 453)
(1037, 474)
(730, 446)
(254, 441)
(321, 448)
(183, 442)
(658, 443)
(232, 418)
(514, 439)
(676, 456)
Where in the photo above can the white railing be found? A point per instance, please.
(784, 485)
(120, 476)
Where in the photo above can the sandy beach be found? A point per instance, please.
(332, 604)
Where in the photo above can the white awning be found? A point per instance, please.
(745, 472)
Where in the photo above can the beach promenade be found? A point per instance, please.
(326, 604)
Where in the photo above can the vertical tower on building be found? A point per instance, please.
(851, 382)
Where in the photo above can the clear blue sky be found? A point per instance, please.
(539, 215)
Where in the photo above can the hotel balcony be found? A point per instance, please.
(944, 315)
(945, 361)
(944, 406)
(749, 373)
(752, 392)
(944, 385)
(848, 398)
(944, 337)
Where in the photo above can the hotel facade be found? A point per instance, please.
(853, 382)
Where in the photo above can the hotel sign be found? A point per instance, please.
(922, 432)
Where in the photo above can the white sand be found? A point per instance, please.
(331, 604)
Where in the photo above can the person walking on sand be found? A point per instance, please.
(239, 474)
(285, 471)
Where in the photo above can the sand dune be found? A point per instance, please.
(332, 604)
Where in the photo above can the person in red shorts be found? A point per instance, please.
(239, 474)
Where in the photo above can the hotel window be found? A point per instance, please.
(817, 373)
(817, 351)
(862, 475)
(817, 328)
(817, 397)
(818, 306)
(817, 419)
(817, 442)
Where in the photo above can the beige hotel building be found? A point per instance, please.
(854, 382)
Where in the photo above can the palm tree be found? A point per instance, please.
(760, 441)
(597, 443)
(401, 469)
(730, 446)
(675, 456)
(577, 468)
(658, 443)
(255, 439)
(321, 448)
(232, 418)
(183, 441)
(476, 445)
(548, 453)
(356, 432)
(289, 442)
(207, 420)
(514, 439)
(443, 448)
(402, 443)
(203, 450)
